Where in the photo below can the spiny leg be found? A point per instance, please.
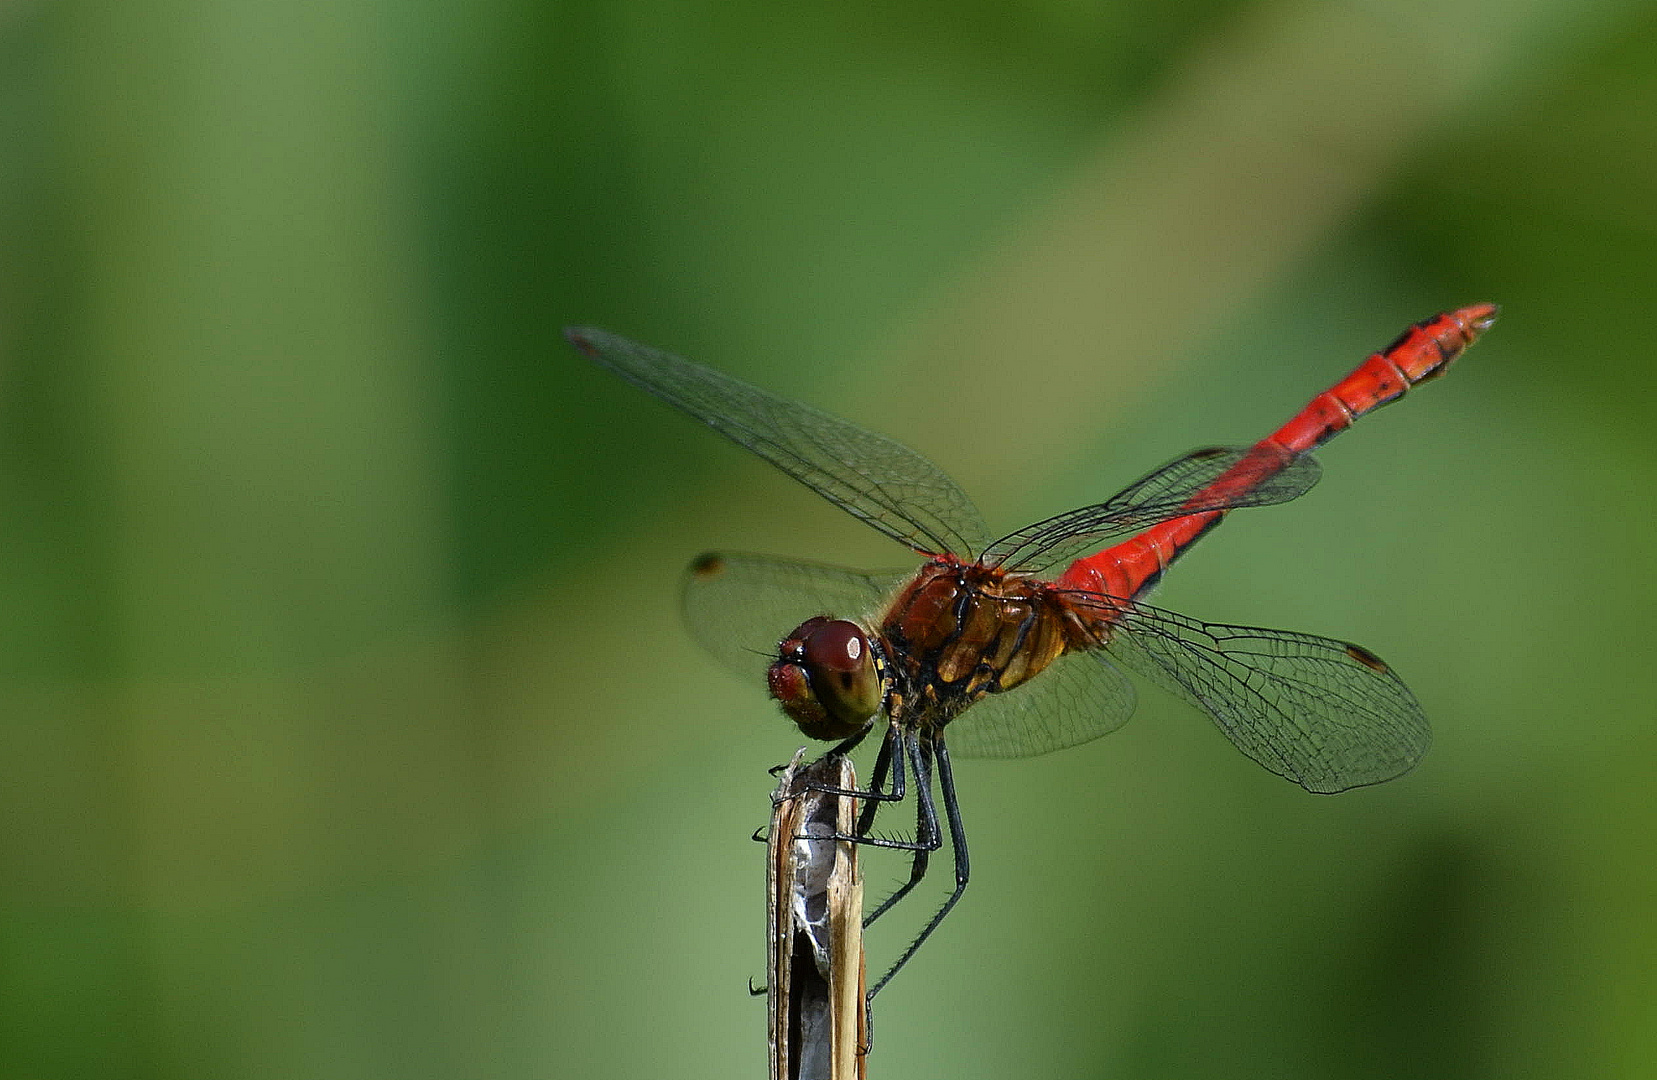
(873, 796)
(883, 762)
(927, 836)
(934, 744)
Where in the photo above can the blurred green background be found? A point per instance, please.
(349, 727)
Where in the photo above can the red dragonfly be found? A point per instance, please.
(1005, 647)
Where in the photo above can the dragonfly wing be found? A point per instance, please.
(1216, 478)
(1326, 714)
(869, 476)
(1080, 697)
(740, 606)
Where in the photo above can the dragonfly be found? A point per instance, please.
(1014, 645)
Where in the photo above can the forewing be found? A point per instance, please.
(1080, 697)
(1217, 478)
(740, 606)
(869, 476)
(1326, 714)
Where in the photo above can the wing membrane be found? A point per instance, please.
(871, 477)
(1217, 478)
(740, 606)
(1326, 714)
(1079, 698)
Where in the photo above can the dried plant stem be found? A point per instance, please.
(815, 912)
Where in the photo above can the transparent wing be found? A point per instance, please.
(1326, 714)
(1080, 697)
(1217, 478)
(740, 606)
(869, 476)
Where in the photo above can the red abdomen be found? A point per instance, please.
(1422, 352)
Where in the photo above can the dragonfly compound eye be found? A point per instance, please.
(826, 678)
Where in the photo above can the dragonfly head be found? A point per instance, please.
(829, 678)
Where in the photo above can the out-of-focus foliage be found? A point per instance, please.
(348, 727)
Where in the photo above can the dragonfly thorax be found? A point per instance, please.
(959, 631)
(829, 677)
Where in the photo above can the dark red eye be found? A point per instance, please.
(826, 678)
(837, 647)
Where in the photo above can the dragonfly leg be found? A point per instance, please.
(957, 839)
(890, 759)
(883, 764)
(871, 798)
(846, 746)
(888, 756)
(927, 838)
